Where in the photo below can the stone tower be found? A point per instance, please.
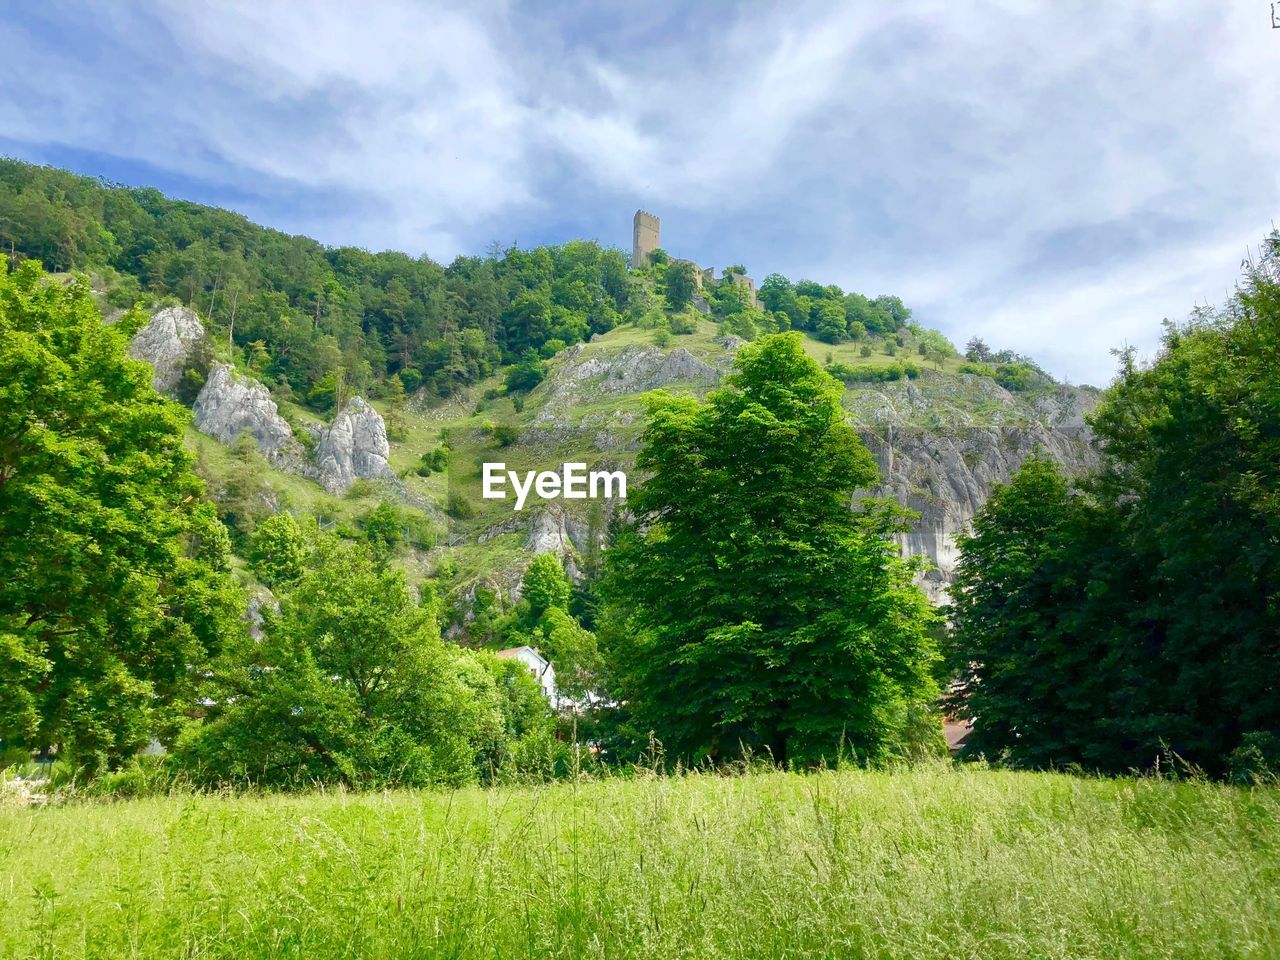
(644, 238)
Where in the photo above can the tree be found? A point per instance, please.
(828, 321)
(1140, 616)
(977, 350)
(114, 588)
(526, 374)
(278, 550)
(1038, 628)
(678, 285)
(1191, 467)
(383, 531)
(763, 613)
(545, 586)
(351, 683)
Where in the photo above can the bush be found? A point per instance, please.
(459, 507)
(526, 374)
(865, 373)
(434, 461)
(1257, 759)
(684, 323)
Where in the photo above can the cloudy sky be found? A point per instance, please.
(1056, 178)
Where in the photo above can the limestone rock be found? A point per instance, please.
(946, 470)
(353, 445)
(166, 343)
(229, 405)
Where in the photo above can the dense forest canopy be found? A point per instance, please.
(308, 313)
(317, 322)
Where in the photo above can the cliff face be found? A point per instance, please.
(353, 445)
(945, 471)
(943, 441)
(167, 343)
(229, 405)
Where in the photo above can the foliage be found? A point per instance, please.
(678, 285)
(278, 550)
(351, 683)
(545, 585)
(115, 586)
(764, 614)
(1142, 617)
(868, 373)
(525, 375)
(383, 531)
(433, 461)
(1032, 603)
(326, 320)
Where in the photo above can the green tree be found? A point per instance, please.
(1140, 616)
(278, 550)
(350, 683)
(114, 588)
(763, 612)
(678, 285)
(383, 531)
(545, 586)
(1039, 628)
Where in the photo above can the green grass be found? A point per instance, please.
(930, 862)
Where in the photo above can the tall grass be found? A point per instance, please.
(926, 862)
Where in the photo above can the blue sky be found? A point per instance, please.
(1056, 178)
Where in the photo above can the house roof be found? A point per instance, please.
(512, 653)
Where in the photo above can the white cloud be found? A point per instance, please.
(1053, 178)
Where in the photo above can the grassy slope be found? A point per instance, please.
(951, 399)
(925, 863)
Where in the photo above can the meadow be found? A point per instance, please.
(927, 862)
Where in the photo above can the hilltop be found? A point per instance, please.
(360, 378)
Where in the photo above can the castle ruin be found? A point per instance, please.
(644, 238)
(645, 234)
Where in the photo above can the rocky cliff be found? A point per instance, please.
(944, 444)
(167, 343)
(353, 445)
(230, 405)
(943, 441)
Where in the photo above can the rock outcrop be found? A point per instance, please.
(354, 445)
(167, 343)
(588, 376)
(946, 464)
(229, 405)
(943, 442)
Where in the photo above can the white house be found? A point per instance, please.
(539, 665)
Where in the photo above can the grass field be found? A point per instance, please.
(929, 862)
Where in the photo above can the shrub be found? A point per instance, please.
(526, 374)
(433, 461)
(865, 373)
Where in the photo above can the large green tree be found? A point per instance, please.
(1139, 616)
(113, 583)
(1039, 629)
(765, 610)
(352, 683)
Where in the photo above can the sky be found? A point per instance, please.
(1054, 178)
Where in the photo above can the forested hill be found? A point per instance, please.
(319, 322)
